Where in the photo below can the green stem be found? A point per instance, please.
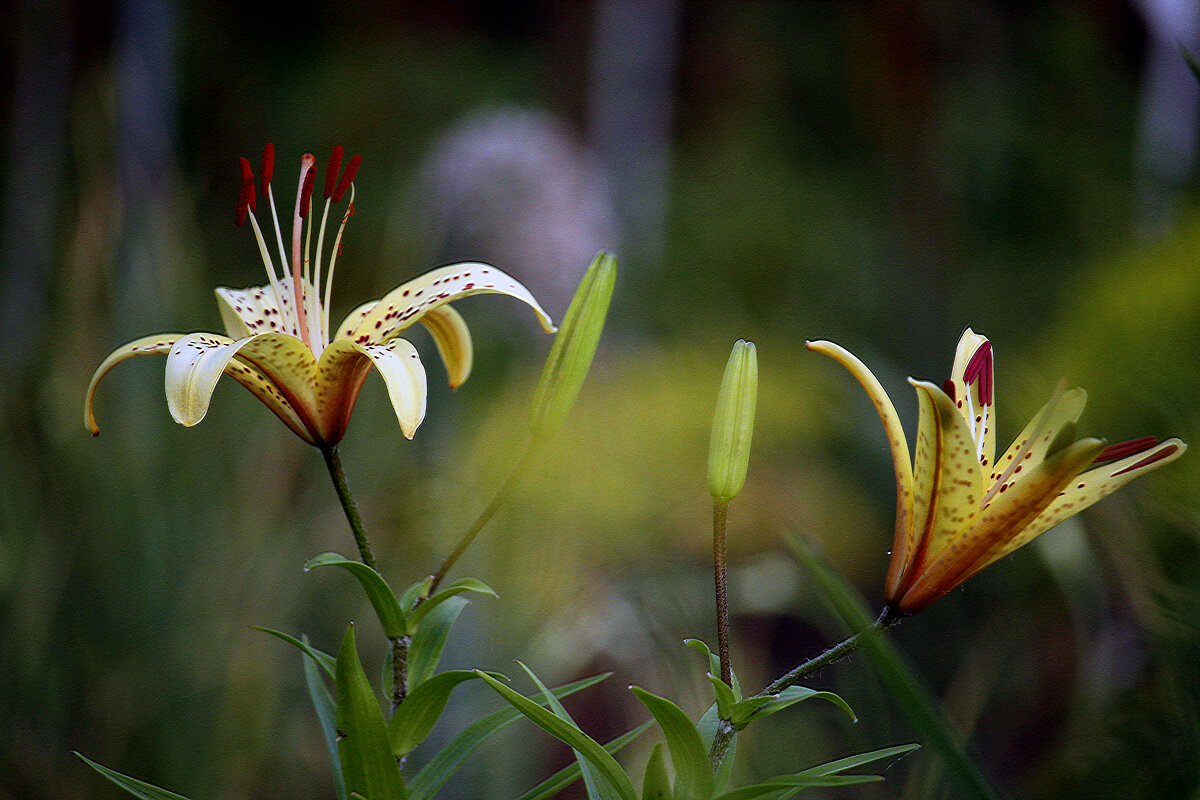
(482, 519)
(886, 619)
(333, 462)
(720, 507)
(399, 670)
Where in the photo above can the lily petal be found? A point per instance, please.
(147, 345)
(976, 400)
(405, 304)
(453, 340)
(246, 312)
(1064, 407)
(947, 479)
(903, 545)
(1094, 484)
(1000, 523)
(402, 371)
(277, 368)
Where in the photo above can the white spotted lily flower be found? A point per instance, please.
(279, 343)
(958, 507)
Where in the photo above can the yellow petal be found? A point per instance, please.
(344, 366)
(353, 319)
(453, 341)
(405, 304)
(1063, 408)
(903, 543)
(246, 312)
(1000, 523)
(1092, 485)
(947, 479)
(278, 368)
(970, 399)
(159, 343)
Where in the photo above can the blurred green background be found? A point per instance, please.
(880, 174)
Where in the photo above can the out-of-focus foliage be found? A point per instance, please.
(879, 174)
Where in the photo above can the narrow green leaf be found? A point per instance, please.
(906, 687)
(850, 762)
(368, 765)
(570, 734)
(425, 649)
(382, 598)
(326, 710)
(693, 776)
(788, 697)
(656, 784)
(418, 591)
(592, 780)
(714, 664)
(727, 703)
(452, 755)
(570, 773)
(788, 785)
(326, 661)
(141, 789)
(458, 587)
(414, 718)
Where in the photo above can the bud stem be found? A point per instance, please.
(720, 570)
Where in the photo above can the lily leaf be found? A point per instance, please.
(570, 773)
(905, 686)
(745, 713)
(387, 608)
(447, 760)
(727, 702)
(714, 664)
(656, 784)
(418, 591)
(567, 732)
(788, 785)
(326, 710)
(591, 779)
(458, 587)
(850, 762)
(326, 661)
(425, 649)
(367, 762)
(693, 776)
(414, 718)
(140, 789)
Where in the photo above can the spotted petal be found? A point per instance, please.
(407, 303)
(902, 547)
(1001, 522)
(256, 309)
(147, 345)
(1093, 485)
(1063, 408)
(971, 377)
(341, 378)
(277, 367)
(947, 480)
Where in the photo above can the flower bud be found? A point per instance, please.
(574, 346)
(733, 423)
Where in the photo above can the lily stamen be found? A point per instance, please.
(1129, 448)
(306, 166)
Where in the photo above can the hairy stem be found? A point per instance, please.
(720, 507)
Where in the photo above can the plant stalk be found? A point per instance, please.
(333, 461)
(720, 508)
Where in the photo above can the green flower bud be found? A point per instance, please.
(574, 346)
(733, 423)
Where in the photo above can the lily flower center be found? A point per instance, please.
(296, 285)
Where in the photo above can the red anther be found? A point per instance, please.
(310, 178)
(1125, 449)
(1150, 459)
(980, 368)
(948, 388)
(268, 164)
(331, 172)
(347, 177)
(245, 201)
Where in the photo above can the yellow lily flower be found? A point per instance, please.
(279, 344)
(958, 508)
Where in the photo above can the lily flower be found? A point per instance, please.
(958, 507)
(279, 343)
